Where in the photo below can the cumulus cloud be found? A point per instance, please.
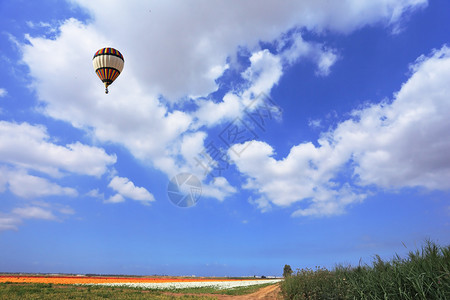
(325, 61)
(406, 143)
(39, 211)
(390, 145)
(31, 165)
(305, 174)
(172, 55)
(128, 116)
(33, 212)
(3, 92)
(116, 198)
(264, 72)
(26, 149)
(219, 189)
(95, 193)
(192, 144)
(126, 188)
(292, 47)
(16, 140)
(260, 77)
(8, 222)
(25, 185)
(211, 113)
(183, 45)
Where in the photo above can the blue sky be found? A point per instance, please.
(346, 155)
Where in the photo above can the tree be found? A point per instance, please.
(287, 271)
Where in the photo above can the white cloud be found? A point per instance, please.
(174, 53)
(406, 143)
(219, 189)
(3, 92)
(317, 123)
(325, 61)
(33, 212)
(298, 48)
(29, 186)
(8, 222)
(183, 42)
(39, 211)
(261, 76)
(29, 146)
(25, 149)
(65, 210)
(191, 146)
(389, 145)
(129, 115)
(116, 198)
(3, 179)
(40, 25)
(127, 189)
(306, 173)
(262, 203)
(264, 72)
(24, 185)
(293, 46)
(95, 193)
(211, 113)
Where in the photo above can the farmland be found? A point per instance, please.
(50, 291)
(18, 286)
(422, 274)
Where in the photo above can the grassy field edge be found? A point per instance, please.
(423, 274)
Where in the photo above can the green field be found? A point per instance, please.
(59, 291)
(423, 274)
(243, 290)
(52, 291)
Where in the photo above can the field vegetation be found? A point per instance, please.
(15, 290)
(25, 291)
(242, 290)
(423, 274)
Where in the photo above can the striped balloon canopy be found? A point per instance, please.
(108, 64)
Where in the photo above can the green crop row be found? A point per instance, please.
(32, 291)
(423, 274)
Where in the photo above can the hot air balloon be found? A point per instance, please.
(108, 63)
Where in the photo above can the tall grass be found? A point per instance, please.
(423, 274)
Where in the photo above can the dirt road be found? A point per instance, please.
(271, 292)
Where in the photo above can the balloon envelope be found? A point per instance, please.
(108, 64)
